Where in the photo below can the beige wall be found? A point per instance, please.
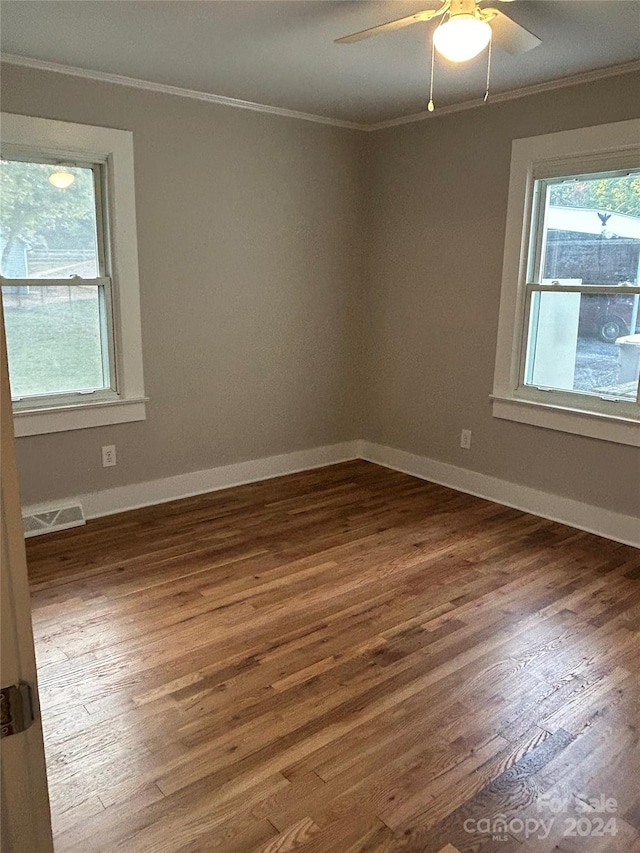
(304, 285)
(250, 261)
(437, 220)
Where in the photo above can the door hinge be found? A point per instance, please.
(16, 708)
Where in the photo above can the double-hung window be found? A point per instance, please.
(56, 286)
(68, 260)
(568, 354)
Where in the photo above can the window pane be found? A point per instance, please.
(592, 230)
(46, 231)
(54, 339)
(582, 343)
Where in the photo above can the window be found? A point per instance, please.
(68, 259)
(568, 353)
(56, 292)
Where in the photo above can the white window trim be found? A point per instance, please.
(547, 156)
(66, 140)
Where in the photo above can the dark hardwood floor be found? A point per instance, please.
(341, 660)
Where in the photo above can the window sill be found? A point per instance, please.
(78, 416)
(619, 429)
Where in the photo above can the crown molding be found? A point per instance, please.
(162, 88)
(513, 94)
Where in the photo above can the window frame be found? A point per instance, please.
(605, 148)
(28, 138)
(109, 393)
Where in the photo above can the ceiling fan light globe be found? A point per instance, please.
(462, 38)
(61, 179)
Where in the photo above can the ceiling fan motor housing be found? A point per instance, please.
(462, 7)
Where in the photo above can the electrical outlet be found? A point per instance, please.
(108, 455)
(465, 439)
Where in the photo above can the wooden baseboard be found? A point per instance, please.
(136, 495)
(592, 519)
(602, 522)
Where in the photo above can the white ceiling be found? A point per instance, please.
(281, 52)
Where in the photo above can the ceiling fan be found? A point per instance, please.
(467, 30)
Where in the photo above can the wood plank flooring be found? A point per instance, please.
(341, 660)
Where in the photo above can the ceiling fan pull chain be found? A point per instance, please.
(430, 105)
(486, 94)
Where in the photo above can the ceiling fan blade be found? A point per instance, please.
(392, 25)
(509, 35)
